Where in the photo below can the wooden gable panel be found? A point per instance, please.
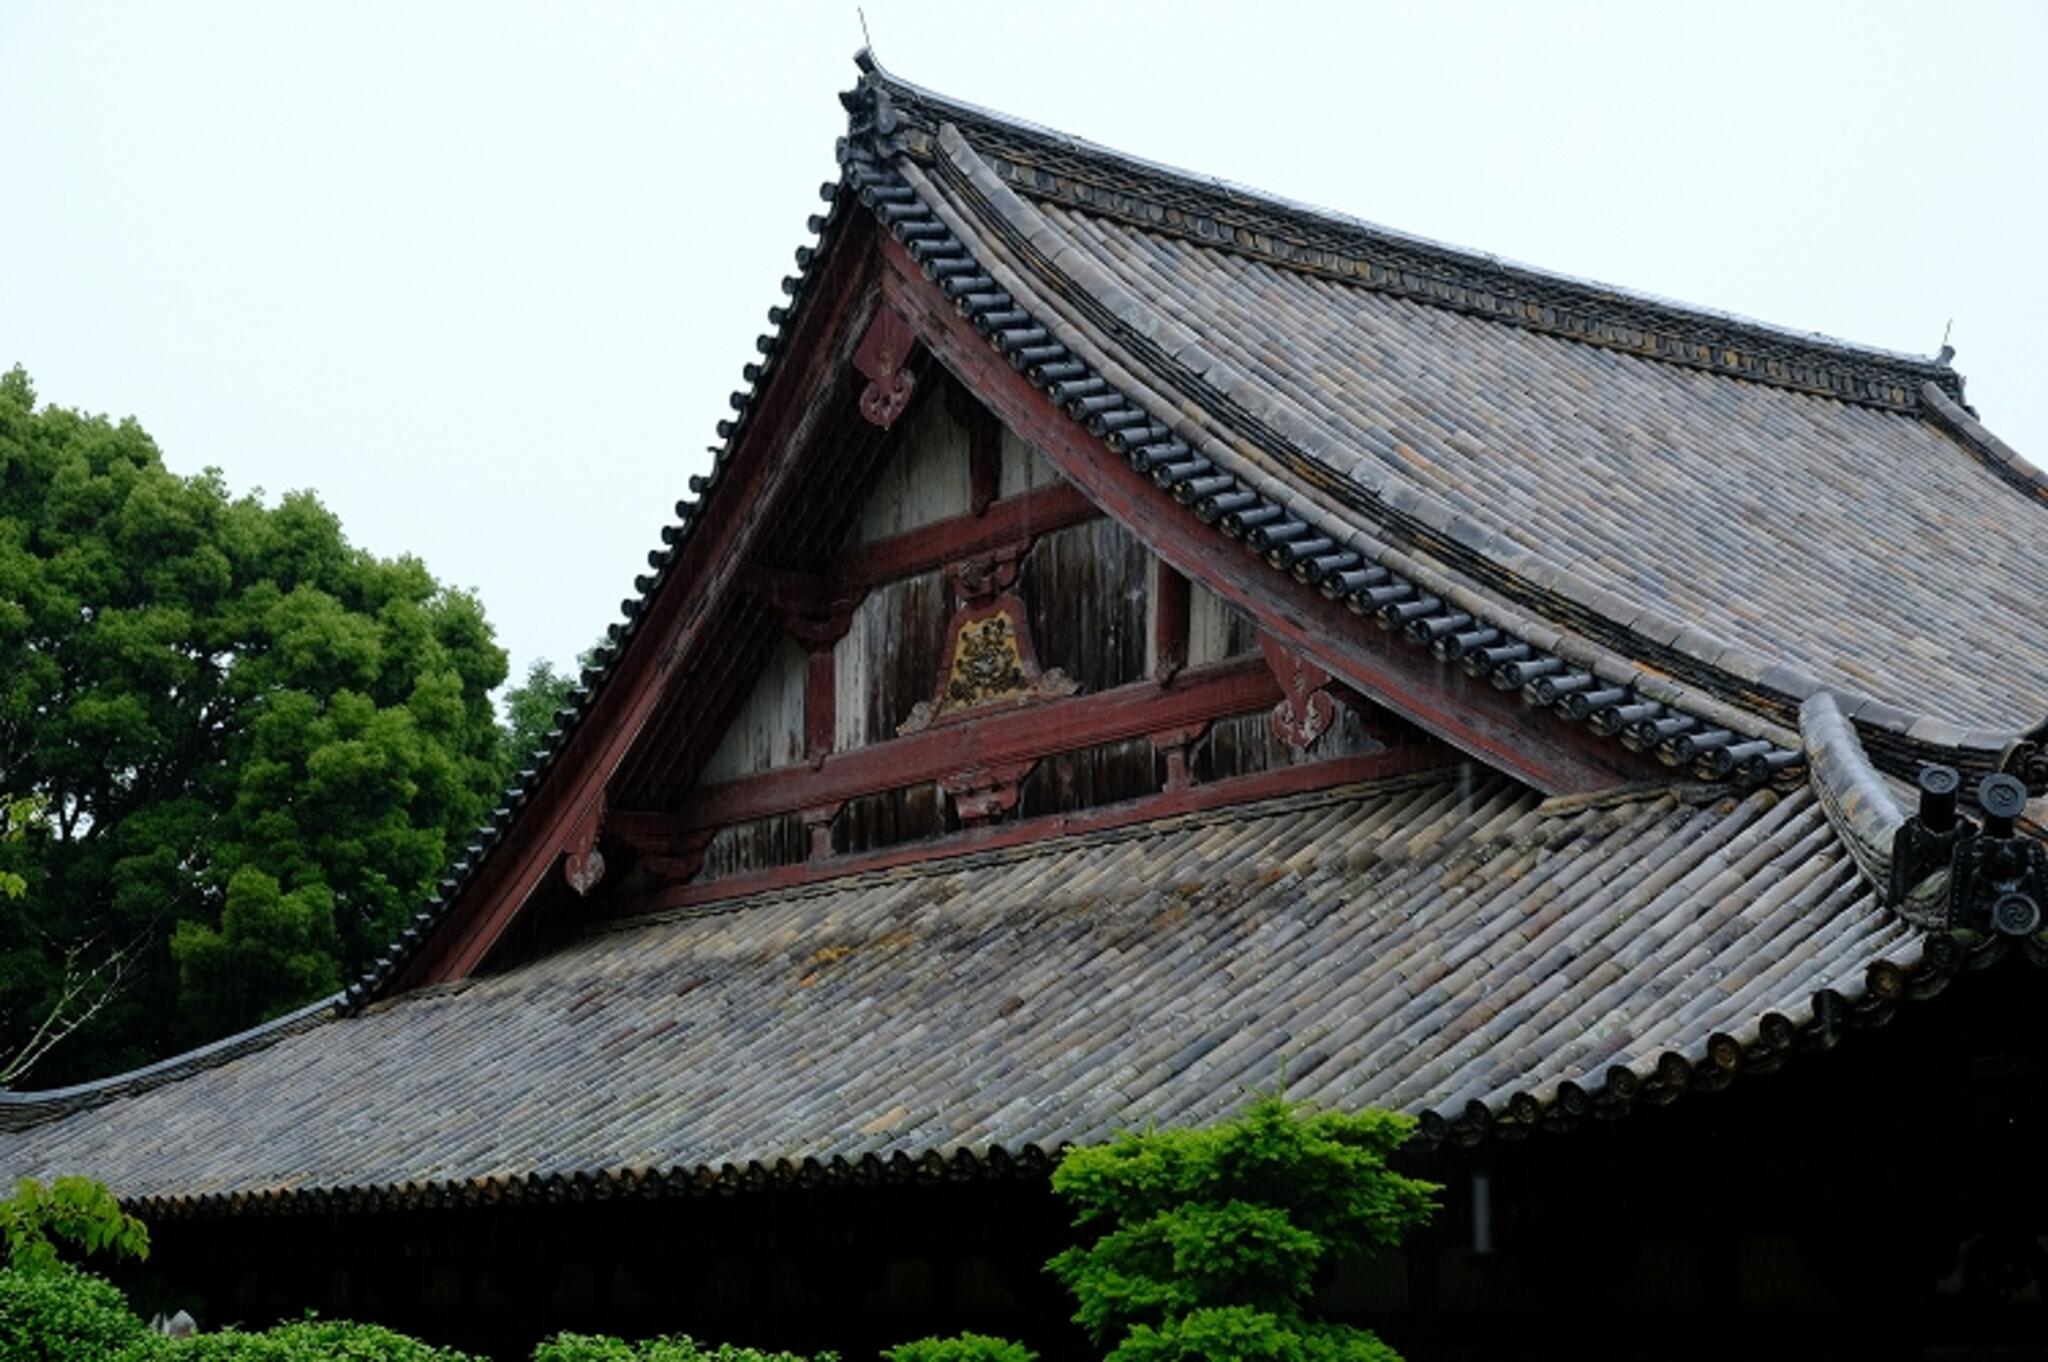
(768, 732)
(924, 478)
(889, 659)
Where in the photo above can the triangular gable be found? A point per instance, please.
(739, 727)
(837, 485)
(776, 702)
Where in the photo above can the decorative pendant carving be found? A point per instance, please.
(1306, 711)
(881, 356)
(987, 664)
(583, 865)
(585, 871)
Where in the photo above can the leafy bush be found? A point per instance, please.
(56, 1313)
(1210, 1242)
(308, 1340)
(77, 1210)
(676, 1348)
(1247, 1335)
(960, 1348)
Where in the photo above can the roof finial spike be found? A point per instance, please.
(1948, 352)
(865, 58)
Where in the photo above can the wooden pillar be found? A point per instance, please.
(1169, 622)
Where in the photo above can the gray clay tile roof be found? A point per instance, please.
(1683, 504)
(1422, 944)
(1750, 510)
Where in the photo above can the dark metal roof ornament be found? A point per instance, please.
(1997, 875)
(2026, 757)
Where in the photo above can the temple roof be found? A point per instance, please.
(1746, 512)
(1765, 541)
(1424, 944)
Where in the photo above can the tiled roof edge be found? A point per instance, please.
(1102, 181)
(1644, 712)
(1027, 1161)
(21, 1110)
(1764, 1046)
(690, 512)
(1995, 454)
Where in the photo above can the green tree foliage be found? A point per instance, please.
(75, 1210)
(1209, 1243)
(17, 812)
(530, 709)
(253, 745)
(676, 1348)
(960, 1348)
(60, 1314)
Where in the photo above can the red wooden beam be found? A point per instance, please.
(999, 739)
(1039, 511)
(1555, 757)
(1286, 780)
(761, 469)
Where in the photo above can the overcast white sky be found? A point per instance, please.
(482, 275)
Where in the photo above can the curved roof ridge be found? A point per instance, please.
(21, 1110)
(2002, 459)
(1855, 797)
(1903, 372)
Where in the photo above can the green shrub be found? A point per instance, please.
(960, 1348)
(676, 1348)
(308, 1340)
(1246, 1335)
(76, 1210)
(1210, 1242)
(57, 1313)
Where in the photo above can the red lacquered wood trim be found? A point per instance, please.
(760, 470)
(1039, 511)
(1169, 621)
(1001, 738)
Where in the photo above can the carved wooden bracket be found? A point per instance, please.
(584, 865)
(818, 822)
(979, 580)
(817, 614)
(681, 864)
(1174, 743)
(983, 794)
(881, 356)
(1306, 711)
